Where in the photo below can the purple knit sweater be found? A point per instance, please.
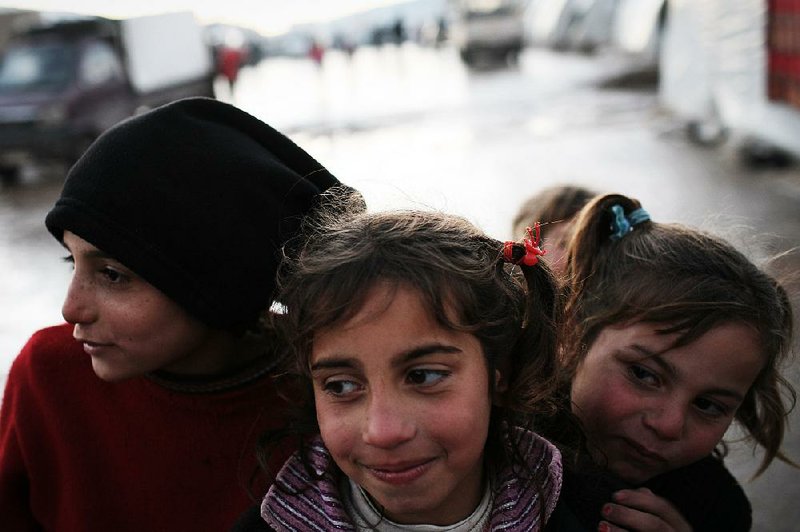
(298, 502)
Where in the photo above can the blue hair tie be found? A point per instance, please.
(621, 225)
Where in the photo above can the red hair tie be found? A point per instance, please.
(532, 251)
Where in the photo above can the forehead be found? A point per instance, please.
(384, 304)
(80, 247)
(367, 301)
(392, 319)
(71, 240)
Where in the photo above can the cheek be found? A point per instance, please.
(462, 428)
(173, 337)
(702, 441)
(602, 403)
(585, 390)
(336, 428)
(150, 320)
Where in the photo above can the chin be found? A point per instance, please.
(109, 374)
(633, 476)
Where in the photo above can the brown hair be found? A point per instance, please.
(688, 280)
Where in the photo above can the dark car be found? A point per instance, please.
(62, 85)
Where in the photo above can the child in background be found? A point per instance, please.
(555, 207)
(671, 335)
(139, 414)
(423, 356)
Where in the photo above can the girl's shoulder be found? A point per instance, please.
(524, 495)
(306, 493)
(707, 494)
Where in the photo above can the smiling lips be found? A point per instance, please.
(643, 454)
(400, 473)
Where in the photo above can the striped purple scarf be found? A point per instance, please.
(298, 502)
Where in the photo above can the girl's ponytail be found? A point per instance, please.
(544, 306)
(596, 262)
(532, 370)
(593, 232)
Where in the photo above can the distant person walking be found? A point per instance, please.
(229, 62)
(316, 52)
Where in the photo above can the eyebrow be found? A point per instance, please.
(669, 368)
(91, 253)
(655, 356)
(336, 362)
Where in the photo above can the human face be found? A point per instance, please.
(128, 327)
(403, 407)
(555, 242)
(648, 408)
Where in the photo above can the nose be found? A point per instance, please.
(667, 420)
(78, 306)
(388, 422)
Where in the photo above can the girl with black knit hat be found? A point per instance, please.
(174, 222)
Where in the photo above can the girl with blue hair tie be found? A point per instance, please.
(670, 336)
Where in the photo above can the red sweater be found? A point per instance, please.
(81, 454)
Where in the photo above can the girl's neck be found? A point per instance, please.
(249, 358)
(367, 517)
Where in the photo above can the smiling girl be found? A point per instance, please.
(671, 336)
(424, 353)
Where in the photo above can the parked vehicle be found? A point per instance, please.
(716, 74)
(64, 83)
(491, 29)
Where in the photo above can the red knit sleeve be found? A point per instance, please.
(15, 512)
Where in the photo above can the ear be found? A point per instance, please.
(500, 382)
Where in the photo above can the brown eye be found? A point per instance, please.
(709, 407)
(112, 275)
(640, 373)
(426, 377)
(339, 387)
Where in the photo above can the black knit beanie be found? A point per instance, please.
(196, 197)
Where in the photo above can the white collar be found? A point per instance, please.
(367, 518)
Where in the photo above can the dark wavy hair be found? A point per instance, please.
(464, 281)
(690, 282)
